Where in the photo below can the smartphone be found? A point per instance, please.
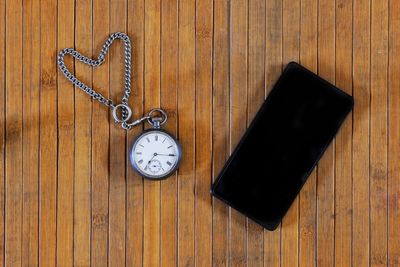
(282, 145)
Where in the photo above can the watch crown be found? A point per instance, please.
(156, 122)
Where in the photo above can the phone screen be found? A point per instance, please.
(282, 145)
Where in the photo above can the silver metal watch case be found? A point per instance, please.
(155, 177)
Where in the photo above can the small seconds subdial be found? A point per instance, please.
(155, 166)
(155, 154)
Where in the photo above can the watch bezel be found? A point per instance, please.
(156, 177)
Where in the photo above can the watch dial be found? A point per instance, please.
(155, 154)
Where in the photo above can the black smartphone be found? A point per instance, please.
(282, 145)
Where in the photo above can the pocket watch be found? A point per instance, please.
(155, 154)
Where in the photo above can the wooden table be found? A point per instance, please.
(70, 197)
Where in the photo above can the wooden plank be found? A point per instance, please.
(118, 158)
(100, 140)
(169, 85)
(343, 166)
(83, 138)
(394, 136)
(291, 50)
(378, 138)
(13, 146)
(256, 64)
(66, 140)
(256, 95)
(238, 117)
(273, 68)
(2, 129)
(186, 131)
(308, 194)
(220, 122)
(31, 82)
(203, 120)
(151, 252)
(48, 135)
(361, 125)
(134, 189)
(326, 166)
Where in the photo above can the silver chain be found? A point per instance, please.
(126, 111)
(97, 62)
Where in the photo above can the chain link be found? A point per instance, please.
(126, 111)
(97, 62)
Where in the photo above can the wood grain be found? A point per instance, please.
(83, 139)
(100, 142)
(152, 81)
(203, 121)
(48, 135)
(378, 138)
(326, 167)
(117, 160)
(221, 101)
(238, 118)
(2, 131)
(134, 183)
(273, 68)
(168, 99)
(361, 132)
(66, 140)
(393, 137)
(69, 196)
(343, 166)
(308, 194)
(290, 52)
(186, 131)
(13, 146)
(31, 81)
(256, 94)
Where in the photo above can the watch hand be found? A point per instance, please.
(155, 154)
(168, 155)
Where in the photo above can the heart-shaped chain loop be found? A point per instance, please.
(121, 112)
(97, 62)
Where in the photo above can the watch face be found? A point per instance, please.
(155, 154)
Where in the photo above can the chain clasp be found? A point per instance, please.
(126, 113)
